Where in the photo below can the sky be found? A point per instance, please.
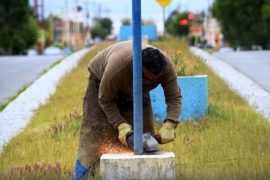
(117, 10)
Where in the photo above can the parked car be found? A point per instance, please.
(226, 49)
(204, 46)
(256, 48)
(89, 42)
(68, 50)
(111, 37)
(53, 51)
(32, 52)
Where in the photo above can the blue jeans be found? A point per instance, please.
(80, 172)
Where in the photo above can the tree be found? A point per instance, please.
(241, 21)
(98, 31)
(126, 21)
(266, 16)
(102, 29)
(18, 29)
(106, 23)
(178, 24)
(26, 38)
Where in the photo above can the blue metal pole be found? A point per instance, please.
(137, 77)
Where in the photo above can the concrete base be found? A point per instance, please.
(130, 166)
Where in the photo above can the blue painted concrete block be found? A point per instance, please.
(194, 99)
(147, 30)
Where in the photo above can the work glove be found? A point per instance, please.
(124, 130)
(166, 132)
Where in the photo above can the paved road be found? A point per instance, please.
(17, 72)
(228, 67)
(15, 117)
(253, 64)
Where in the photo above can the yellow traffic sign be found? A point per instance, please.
(164, 3)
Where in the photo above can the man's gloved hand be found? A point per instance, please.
(166, 132)
(124, 130)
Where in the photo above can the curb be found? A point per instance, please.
(15, 117)
(257, 97)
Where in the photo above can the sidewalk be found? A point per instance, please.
(256, 96)
(15, 117)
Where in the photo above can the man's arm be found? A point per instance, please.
(173, 100)
(108, 89)
(172, 93)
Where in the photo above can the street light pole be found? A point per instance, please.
(164, 22)
(137, 77)
(163, 4)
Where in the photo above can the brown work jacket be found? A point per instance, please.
(113, 67)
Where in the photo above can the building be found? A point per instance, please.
(212, 33)
(67, 29)
(148, 31)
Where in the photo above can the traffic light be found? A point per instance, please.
(183, 22)
(191, 16)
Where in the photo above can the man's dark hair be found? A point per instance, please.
(153, 60)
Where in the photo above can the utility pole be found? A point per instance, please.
(99, 11)
(39, 11)
(42, 13)
(87, 16)
(36, 10)
(39, 16)
(86, 35)
(67, 26)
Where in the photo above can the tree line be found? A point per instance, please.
(243, 23)
(18, 28)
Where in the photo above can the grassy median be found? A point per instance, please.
(232, 142)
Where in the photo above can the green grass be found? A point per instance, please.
(232, 142)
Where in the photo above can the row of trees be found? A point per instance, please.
(244, 22)
(19, 30)
(102, 28)
(178, 24)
